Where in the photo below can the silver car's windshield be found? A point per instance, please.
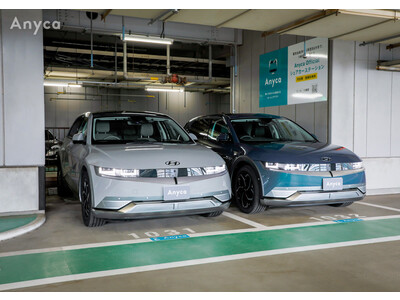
(122, 129)
(262, 130)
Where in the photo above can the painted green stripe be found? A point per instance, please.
(59, 263)
(9, 223)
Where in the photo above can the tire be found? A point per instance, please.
(62, 187)
(344, 204)
(247, 191)
(213, 214)
(85, 193)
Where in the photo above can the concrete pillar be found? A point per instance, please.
(22, 146)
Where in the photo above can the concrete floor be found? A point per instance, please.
(356, 267)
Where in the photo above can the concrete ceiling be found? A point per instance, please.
(364, 25)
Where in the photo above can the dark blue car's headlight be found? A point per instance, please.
(314, 167)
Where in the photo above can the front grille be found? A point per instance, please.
(174, 172)
(321, 167)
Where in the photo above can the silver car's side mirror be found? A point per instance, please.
(194, 137)
(79, 138)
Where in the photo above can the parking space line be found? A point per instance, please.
(194, 262)
(244, 220)
(61, 266)
(378, 206)
(202, 234)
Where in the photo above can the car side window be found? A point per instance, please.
(200, 128)
(83, 126)
(76, 126)
(217, 128)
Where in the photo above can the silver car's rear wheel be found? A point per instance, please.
(86, 198)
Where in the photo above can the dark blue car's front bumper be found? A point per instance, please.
(296, 188)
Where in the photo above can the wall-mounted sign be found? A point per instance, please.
(295, 74)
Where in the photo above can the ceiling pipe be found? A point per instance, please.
(210, 62)
(168, 60)
(83, 29)
(169, 12)
(125, 60)
(380, 40)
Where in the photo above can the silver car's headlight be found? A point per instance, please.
(214, 170)
(112, 172)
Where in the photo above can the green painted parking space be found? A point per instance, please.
(10, 223)
(26, 267)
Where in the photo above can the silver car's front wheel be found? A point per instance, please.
(86, 201)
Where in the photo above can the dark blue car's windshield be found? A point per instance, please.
(262, 130)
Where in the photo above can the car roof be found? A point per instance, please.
(239, 116)
(113, 113)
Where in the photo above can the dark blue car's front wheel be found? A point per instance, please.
(247, 191)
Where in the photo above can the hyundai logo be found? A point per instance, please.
(172, 163)
(325, 158)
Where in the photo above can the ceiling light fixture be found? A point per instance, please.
(146, 39)
(61, 84)
(164, 89)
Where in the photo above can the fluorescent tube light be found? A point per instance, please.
(160, 89)
(61, 84)
(147, 39)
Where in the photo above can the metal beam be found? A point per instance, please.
(133, 55)
(105, 14)
(376, 13)
(301, 22)
(233, 18)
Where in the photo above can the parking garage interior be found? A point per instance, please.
(78, 62)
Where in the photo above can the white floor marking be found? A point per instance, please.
(212, 233)
(193, 262)
(243, 220)
(378, 206)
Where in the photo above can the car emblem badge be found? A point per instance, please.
(325, 158)
(172, 163)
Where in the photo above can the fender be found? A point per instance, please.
(245, 160)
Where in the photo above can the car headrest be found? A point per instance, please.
(130, 131)
(259, 131)
(102, 126)
(146, 129)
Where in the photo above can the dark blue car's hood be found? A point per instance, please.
(297, 152)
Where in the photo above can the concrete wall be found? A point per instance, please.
(312, 116)
(62, 109)
(365, 111)
(21, 112)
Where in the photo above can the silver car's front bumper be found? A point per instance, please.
(144, 197)
(141, 210)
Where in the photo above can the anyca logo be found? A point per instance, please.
(272, 68)
(35, 25)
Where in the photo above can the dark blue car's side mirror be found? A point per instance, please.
(223, 137)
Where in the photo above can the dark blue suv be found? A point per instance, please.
(275, 162)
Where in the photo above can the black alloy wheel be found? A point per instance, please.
(247, 191)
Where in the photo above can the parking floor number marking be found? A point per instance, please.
(167, 232)
(337, 217)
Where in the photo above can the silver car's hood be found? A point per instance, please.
(152, 156)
